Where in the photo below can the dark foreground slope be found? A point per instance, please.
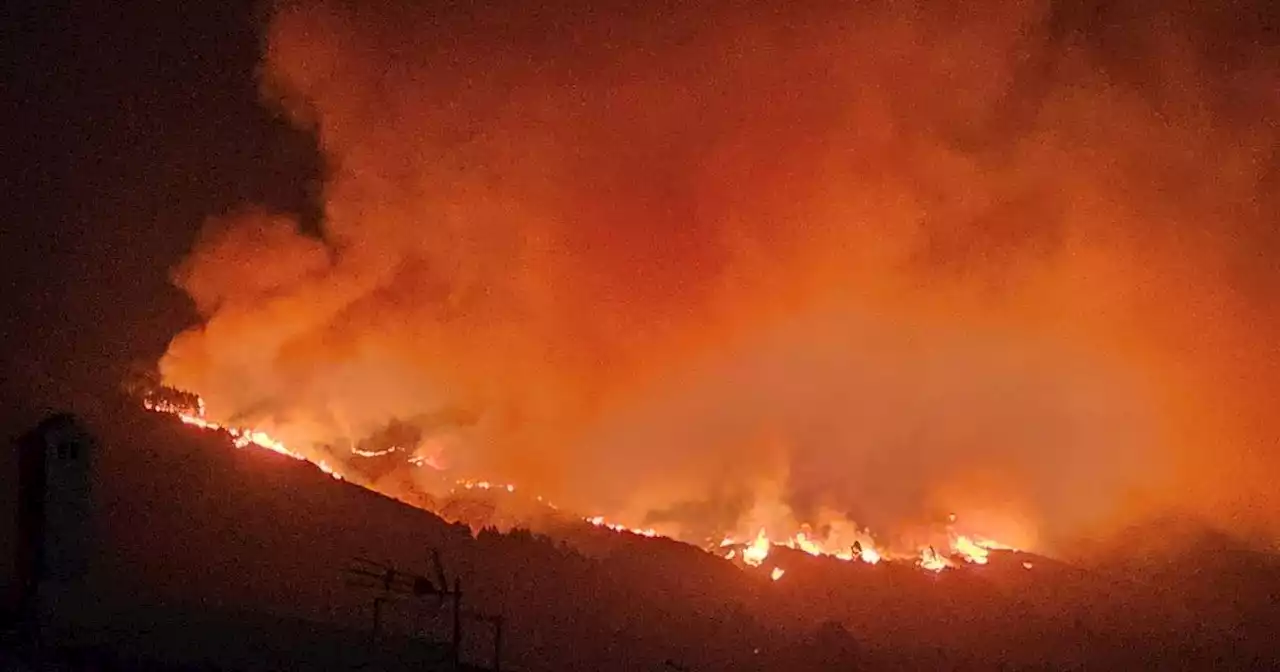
(193, 531)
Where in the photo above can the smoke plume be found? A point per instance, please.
(694, 263)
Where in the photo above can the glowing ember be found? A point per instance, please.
(486, 485)
(426, 461)
(777, 573)
(375, 453)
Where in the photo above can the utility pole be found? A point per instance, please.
(389, 582)
(457, 624)
(377, 624)
(497, 644)
(495, 622)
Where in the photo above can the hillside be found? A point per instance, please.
(189, 525)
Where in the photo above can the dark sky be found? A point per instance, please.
(135, 122)
(127, 124)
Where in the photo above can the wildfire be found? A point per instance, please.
(754, 553)
(976, 550)
(241, 437)
(599, 521)
(930, 560)
(486, 485)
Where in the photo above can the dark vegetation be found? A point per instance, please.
(215, 556)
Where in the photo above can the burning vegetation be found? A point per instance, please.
(866, 282)
(752, 553)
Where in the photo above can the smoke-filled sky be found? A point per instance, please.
(888, 259)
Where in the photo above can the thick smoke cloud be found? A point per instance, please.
(892, 260)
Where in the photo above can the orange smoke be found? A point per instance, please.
(710, 269)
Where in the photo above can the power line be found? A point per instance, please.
(390, 582)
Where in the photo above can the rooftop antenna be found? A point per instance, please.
(390, 582)
(495, 622)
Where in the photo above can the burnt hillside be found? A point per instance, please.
(196, 530)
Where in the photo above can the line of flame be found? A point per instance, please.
(754, 553)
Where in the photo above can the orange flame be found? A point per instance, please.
(756, 552)
(599, 521)
(970, 549)
(241, 437)
(930, 560)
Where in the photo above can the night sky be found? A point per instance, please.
(136, 122)
(127, 124)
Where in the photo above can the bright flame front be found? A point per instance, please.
(969, 549)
